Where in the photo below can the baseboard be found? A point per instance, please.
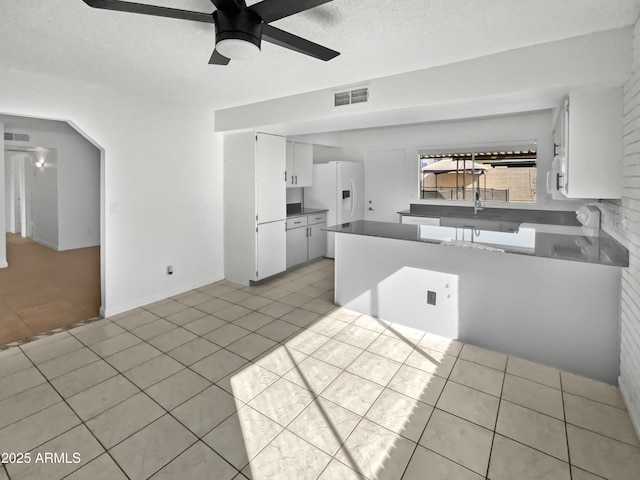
(64, 248)
(111, 311)
(46, 244)
(633, 407)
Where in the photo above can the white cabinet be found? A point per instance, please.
(305, 238)
(271, 196)
(297, 250)
(299, 164)
(271, 256)
(317, 241)
(254, 206)
(588, 146)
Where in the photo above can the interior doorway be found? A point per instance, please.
(52, 193)
(31, 193)
(384, 184)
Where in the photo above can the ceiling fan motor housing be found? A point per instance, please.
(239, 25)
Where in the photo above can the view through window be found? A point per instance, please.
(495, 174)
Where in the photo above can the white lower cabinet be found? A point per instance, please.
(317, 241)
(297, 246)
(272, 251)
(305, 238)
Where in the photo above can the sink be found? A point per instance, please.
(480, 224)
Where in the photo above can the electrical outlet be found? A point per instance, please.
(431, 297)
(617, 219)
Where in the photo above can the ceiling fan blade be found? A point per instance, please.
(218, 59)
(120, 6)
(293, 42)
(272, 10)
(229, 4)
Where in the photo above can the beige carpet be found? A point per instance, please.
(43, 289)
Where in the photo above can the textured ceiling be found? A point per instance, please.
(168, 58)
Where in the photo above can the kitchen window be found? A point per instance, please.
(488, 174)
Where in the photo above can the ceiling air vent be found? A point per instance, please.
(360, 95)
(351, 97)
(342, 98)
(16, 137)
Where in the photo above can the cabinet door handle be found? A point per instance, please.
(307, 231)
(555, 149)
(296, 179)
(310, 231)
(558, 177)
(296, 223)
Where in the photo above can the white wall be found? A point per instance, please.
(3, 228)
(12, 191)
(162, 174)
(415, 138)
(628, 232)
(555, 312)
(78, 179)
(522, 79)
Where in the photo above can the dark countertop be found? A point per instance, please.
(549, 217)
(601, 249)
(307, 211)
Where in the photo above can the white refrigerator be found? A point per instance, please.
(338, 187)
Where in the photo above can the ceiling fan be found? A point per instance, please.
(239, 28)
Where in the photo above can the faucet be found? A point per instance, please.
(477, 203)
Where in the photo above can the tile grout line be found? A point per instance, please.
(566, 430)
(415, 449)
(165, 353)
(495, 425)
(82, 423)
(282, 343)
(316, 395)
(141, 391)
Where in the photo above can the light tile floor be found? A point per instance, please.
(273, 382)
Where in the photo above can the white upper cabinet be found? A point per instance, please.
(588, 146)
(271, 201)
(299, 164)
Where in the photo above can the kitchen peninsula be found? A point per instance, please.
(546, 295)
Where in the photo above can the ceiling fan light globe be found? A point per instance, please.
(237, 49)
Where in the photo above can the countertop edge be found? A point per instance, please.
(393, 233)
(308, 211)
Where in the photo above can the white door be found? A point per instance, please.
(384, 185)
(271, 187)
(272, 249)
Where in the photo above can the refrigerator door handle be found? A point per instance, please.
(353, 198)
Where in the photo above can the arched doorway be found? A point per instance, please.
(52, 196)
